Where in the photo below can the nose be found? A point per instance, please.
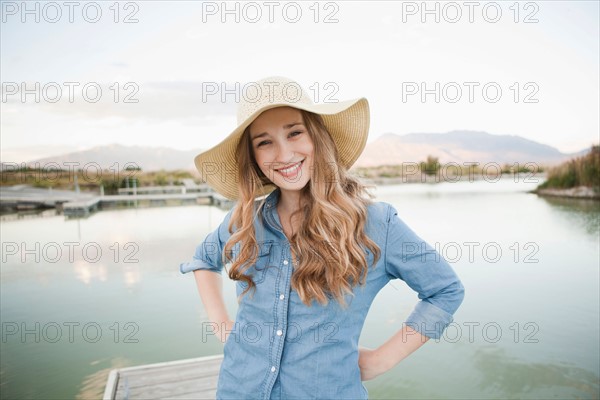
(285, 153)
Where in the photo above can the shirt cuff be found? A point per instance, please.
(429, 320)
(193, 265)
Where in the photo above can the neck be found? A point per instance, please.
(289, 201)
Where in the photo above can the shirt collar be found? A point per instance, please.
(272, 199)
(269, 210)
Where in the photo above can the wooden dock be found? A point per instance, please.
(189, 186)
(21, 197)
(194, 378)
(77, 205)
(85, 207)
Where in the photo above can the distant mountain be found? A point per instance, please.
(460, 147)
(456, 146)
(147, 158)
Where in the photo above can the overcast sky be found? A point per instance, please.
(547, 71)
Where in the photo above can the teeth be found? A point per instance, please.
(291, 169)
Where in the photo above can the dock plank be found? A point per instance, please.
(208, 395)
(174, 388)
(194, 378)
(145, 377)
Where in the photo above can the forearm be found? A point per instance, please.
(378, 361)
(210, 286)
(398, 347)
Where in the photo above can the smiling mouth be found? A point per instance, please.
(291, 169)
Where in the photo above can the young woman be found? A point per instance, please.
(309, 250)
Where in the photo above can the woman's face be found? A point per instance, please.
(282, 147)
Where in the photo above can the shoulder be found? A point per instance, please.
(380, 212)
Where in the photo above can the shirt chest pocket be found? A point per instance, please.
(264, 261)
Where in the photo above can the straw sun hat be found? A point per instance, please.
(346, 121)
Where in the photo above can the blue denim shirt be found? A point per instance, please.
(282, 349)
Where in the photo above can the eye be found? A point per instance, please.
(295, 133)
(264, 142)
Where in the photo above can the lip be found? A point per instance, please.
(291, 170)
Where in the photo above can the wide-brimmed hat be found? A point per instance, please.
(346, 121)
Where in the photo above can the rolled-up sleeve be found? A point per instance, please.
(208, 254)
(409, 258)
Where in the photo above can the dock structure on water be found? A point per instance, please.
(85, 207)
(74, 204)
(194, 378)
(26, 197)
(189, 186)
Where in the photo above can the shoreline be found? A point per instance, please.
(433, 179)
(579, 192)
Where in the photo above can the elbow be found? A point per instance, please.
(450, 298)
(457, 295)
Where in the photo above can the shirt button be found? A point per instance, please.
(281, 297)
(285, 262)
(279, 332)
(272, 369)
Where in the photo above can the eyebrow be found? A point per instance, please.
(288, 126)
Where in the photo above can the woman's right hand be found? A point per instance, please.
(226, 328)
(372, 362)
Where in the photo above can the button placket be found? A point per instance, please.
(282, 318)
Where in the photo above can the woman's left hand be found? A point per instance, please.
(371, 363)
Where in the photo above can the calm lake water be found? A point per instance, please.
(106, 292)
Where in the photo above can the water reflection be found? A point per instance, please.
(132, 275)
(85, 272)
(584, 212)
(94, 384)
(512, 378)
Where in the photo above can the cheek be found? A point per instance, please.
(262, 160)
(306, 147)
(309, 151)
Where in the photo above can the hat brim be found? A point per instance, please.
(346, 121)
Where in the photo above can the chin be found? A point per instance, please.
(291, 186)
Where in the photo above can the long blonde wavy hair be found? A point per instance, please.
(329, 243)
